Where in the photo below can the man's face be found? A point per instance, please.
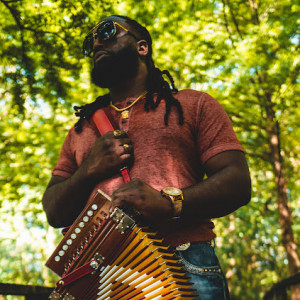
(115, 60)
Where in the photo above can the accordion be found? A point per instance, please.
(111, 256)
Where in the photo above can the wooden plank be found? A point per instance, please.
(31, 292)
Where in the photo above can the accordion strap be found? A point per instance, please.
(104, 125)
(84, 270)
(102, 122)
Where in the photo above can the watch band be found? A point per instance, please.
(175, 196)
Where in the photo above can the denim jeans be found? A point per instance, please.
(203, 267)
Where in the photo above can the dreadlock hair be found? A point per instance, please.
(155, 84)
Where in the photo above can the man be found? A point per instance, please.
(168, 139)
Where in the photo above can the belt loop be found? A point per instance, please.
(213, 243)
(183, 247)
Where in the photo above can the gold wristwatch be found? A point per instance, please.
(175, 196)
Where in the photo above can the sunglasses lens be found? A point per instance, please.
(106, 31)
(87, 47)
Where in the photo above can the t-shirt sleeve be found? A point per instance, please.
(215, 132)
(66, 165)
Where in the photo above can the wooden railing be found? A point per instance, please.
(31, 292)
(279, 291)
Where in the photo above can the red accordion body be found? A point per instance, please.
(106, 256)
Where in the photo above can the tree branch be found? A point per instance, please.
(264, 156)
(234, 20)
(254, 11)
(15, 15)
(226, 24)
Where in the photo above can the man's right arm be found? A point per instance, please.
(64, 198)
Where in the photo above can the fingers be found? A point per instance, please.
(144, 198)
(113, 151)
(121, 201)
(131, 193)
(120, 140)
(124, 196)
(118, 134)
(134, 186)
(125, 142)
(127, 149)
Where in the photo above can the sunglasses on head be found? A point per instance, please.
(103, 31)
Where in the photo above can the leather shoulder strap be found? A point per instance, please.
(104, 125)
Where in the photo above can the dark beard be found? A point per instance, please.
(116, 67)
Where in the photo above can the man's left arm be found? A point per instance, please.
(227, 188)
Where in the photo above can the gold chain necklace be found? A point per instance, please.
(124, 111)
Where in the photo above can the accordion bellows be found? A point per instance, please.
(112, 256)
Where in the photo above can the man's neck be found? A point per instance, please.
(132, 87)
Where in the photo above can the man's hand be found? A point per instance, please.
(144, 198)
(108, 155)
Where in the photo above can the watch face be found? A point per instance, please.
(172, 191)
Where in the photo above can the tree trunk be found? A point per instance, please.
(285, 218)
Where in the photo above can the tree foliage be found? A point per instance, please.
(245, 53)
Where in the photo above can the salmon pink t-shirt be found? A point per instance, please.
(171, 155)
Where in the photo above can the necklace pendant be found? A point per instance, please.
(125, 114)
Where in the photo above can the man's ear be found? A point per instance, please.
(142, 47)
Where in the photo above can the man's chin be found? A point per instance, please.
(103, 78)
(102, 82)
(110, 77)
(111, 70)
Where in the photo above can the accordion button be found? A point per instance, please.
(57, 258)
(61, 282)
(73, 236)
(69, 242)
(61, 253)
(90, 213)
(94, 264)
(94, 206)
(81, 224)
(85, 218)
(77, 230)
(65, 247)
